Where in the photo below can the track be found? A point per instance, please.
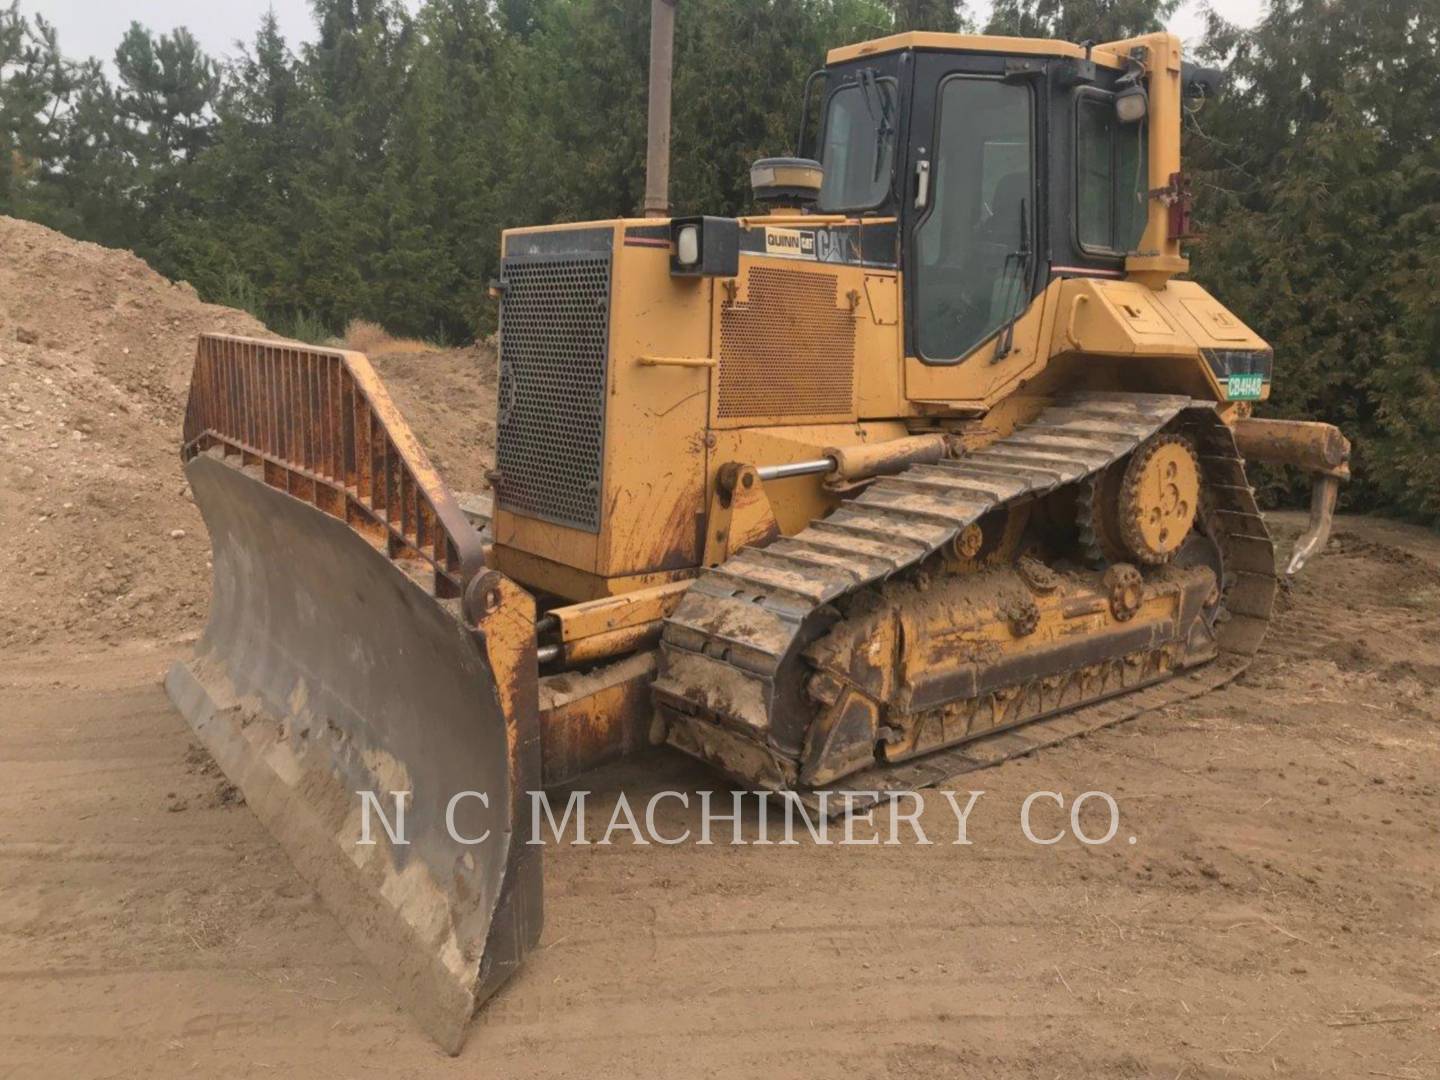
(731, 651)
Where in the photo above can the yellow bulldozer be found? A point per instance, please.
(936, 460)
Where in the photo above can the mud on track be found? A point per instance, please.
(1278, 915)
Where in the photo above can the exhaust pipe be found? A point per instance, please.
(657, 139)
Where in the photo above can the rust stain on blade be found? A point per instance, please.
(319, 425)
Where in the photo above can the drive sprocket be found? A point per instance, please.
(1158, 499)
(1141, 509)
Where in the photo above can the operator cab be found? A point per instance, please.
(1006, 162)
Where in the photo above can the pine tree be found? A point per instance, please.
(57, 132)
(943, 15)
(1317, 172)
(444, 166)
(355, 76)
(163, 116)
(234, 239)
(167, 88)
(1079, 20)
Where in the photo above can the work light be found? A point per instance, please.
(1130, 104)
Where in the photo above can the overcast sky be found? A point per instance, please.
(94, 27)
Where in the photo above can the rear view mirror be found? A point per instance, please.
(1199, 82)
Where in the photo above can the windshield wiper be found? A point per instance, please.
(1019, 260)
(873, 94)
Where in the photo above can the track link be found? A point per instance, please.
(731, 652)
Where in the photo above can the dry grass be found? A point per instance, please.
(374, 340)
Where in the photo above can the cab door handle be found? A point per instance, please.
(922, 183)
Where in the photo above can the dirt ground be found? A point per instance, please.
(1277, 915)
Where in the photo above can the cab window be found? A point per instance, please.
(1111, 181)
(858, 151)
(972, 246)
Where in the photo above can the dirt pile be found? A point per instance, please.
(100, 539)
(95, 353)
(448, 397)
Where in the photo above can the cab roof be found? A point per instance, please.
(1010, 46)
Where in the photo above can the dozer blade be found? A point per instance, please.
(337, 660)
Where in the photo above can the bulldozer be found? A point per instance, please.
(935, 459)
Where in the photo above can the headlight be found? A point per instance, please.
(704, 247)
(687, 245)
(1130, 104)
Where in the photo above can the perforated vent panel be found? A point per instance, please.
(787, 351)
(554, 334)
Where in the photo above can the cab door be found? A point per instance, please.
(972, 257)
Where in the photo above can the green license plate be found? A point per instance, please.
(1245, 387)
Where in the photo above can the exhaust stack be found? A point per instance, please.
(657, 139)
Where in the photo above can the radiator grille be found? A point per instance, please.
(554, 334)
(787, 351)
